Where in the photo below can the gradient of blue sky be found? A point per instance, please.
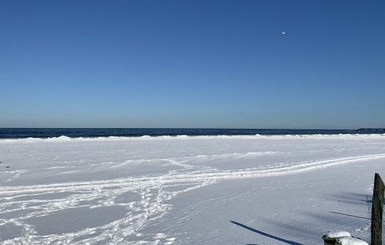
(192, 63)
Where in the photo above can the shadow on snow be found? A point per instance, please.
(266, 234)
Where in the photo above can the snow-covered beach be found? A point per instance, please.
(187, 190)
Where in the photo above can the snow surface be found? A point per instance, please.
(187, 190)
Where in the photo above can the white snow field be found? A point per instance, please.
(253, 190)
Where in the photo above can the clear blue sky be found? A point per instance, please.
(192, 63)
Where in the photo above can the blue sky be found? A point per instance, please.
(192, 64)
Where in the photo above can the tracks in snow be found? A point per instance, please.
(139, 201)
(208, 175)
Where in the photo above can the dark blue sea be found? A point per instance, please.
(137, 132)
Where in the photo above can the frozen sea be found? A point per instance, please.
(245, 189)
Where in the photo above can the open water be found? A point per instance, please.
(137, 132)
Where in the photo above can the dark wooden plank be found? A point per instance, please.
(377, 209)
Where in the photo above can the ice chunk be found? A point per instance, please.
(350, 241)
(335, 234)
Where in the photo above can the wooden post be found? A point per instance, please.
(377, 208)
